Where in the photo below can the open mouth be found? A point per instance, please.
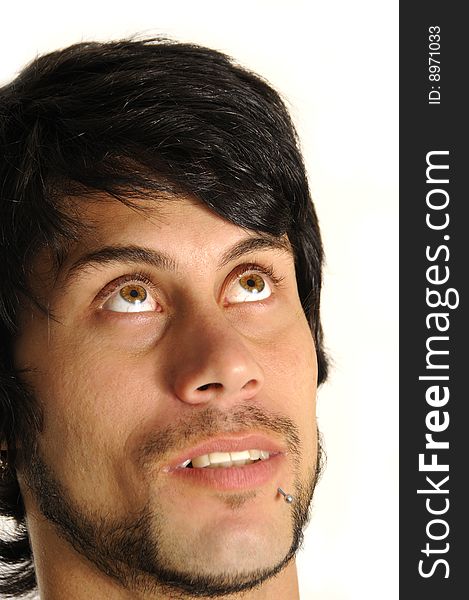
(216, 460)
(229, 464)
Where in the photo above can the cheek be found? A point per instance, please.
(291, 380)
(97, 398)
(290, 359)
(87, 397)
(93, 404)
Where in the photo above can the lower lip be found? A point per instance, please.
(232, 478)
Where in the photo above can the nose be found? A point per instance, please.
(212, 361)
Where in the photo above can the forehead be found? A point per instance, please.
(163, 232)
(155, 219)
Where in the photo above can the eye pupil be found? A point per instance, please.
(133, 293)
(253, 283)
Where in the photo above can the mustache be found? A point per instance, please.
(212, 421)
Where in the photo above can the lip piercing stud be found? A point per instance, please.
(288, 497)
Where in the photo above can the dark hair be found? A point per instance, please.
(131, 117)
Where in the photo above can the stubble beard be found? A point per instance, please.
(131, 550)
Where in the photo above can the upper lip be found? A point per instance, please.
(232, 443)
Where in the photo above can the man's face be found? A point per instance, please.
(175, 336)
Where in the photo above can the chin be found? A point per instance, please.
(234, 544)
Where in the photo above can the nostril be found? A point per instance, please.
(202, 388)
(250, 386)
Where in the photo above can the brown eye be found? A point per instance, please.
(133, 293)
(250, 287)
(252, 283)
(132, 297)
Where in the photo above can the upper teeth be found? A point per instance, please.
(227, 459)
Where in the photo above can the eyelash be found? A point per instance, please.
(111, 287)
(269, 271)
(145, 278)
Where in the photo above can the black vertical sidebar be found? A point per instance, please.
(434, 269)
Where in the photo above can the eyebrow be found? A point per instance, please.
(162, 261)
(254, 244)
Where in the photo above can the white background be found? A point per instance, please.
(335, 63)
